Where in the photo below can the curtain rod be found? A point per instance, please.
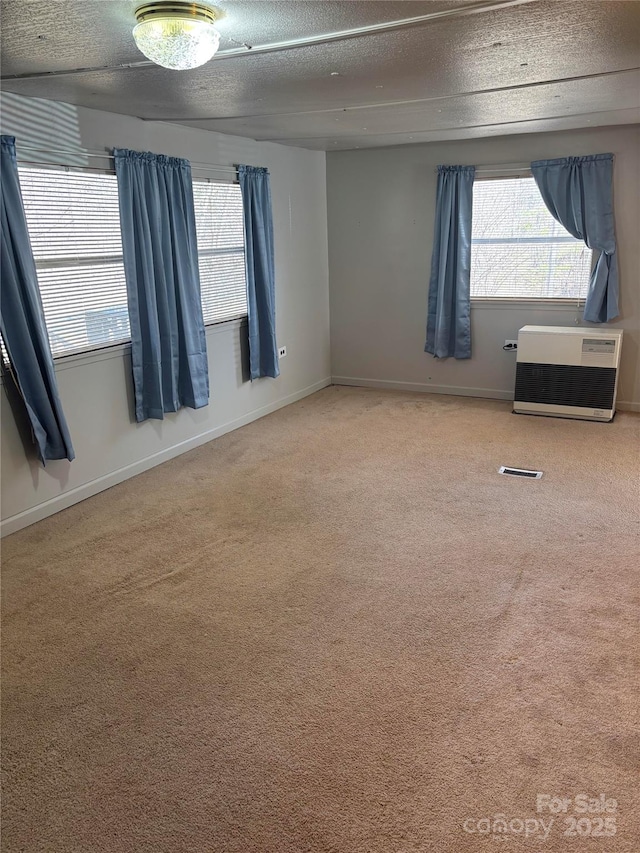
(104, 155)
(501, 170)
(23, 162)
(512, 167)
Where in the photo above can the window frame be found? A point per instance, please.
(214, 253)
(79, 261)
(123, 347)
(535, 302)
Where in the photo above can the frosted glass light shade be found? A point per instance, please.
(177, 43)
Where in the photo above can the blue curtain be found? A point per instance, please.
(449, 313)
(22, 321)
(168, 346)
(260, 269)
(579, 193)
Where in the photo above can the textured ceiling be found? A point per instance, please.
(540, 65)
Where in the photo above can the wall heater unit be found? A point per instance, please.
(567, 372)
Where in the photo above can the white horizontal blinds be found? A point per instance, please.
(74, 226)
(220, 231)
(518, 250)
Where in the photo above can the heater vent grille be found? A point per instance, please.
(565, 385)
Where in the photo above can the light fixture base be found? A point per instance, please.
(177, 9)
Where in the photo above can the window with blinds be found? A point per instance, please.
(518, 250)
(220, 230)
(74, 226)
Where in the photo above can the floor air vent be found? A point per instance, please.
(520, 472)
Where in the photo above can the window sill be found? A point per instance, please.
(67, 362)
(535, 304)
(78, 359)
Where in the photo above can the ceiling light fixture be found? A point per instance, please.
(176, 34)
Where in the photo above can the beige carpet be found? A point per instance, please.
(336, 630)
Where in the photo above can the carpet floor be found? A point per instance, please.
(335, 630)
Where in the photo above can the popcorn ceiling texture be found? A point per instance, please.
(510, 70)
(336, 629)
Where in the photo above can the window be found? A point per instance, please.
(220, 230)
(74, 226)
(518, 250)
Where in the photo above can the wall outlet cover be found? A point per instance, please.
(282, 351)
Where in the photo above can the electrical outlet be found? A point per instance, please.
(282, 352)
(510, 345)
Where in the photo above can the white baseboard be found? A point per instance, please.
(29, 516)
(453, 390)
(423, 387)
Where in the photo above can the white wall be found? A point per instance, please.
(381, 205)
(97, 391)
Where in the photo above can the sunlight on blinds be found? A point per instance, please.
(74, 226)
(518, 250)
(220, 230)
